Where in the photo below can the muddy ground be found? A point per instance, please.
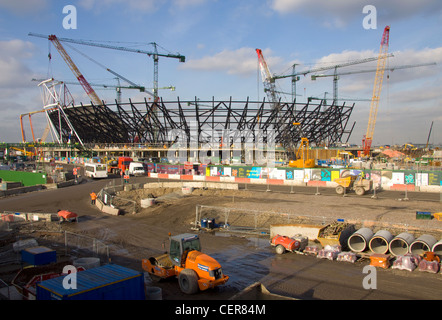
(245, 258)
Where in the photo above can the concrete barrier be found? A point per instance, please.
(313, 183)
(4, 193)
(189, 184)
(106, 209)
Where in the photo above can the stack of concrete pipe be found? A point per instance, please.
(383, 242)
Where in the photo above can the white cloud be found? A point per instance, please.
(241, 62)
(338, 13)
(24, 7)
(137, 5)
(15, 73)
(124, 5)
(363, 82)
(188, 3)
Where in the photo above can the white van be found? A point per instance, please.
(136, 169)
(95, 170)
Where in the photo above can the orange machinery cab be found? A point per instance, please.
(185, 255)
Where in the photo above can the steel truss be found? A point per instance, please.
(207, 123)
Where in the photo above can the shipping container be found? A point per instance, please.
(38, 256)
(108, 282)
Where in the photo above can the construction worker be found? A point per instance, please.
(93, 197)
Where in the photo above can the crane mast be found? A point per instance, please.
(368, 138)
(86, 86)
(268, 80)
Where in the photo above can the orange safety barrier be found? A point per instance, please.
(380, 260)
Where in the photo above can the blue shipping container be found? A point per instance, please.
(108, 282)
(38, 256)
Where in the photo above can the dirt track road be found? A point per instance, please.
(245, 259)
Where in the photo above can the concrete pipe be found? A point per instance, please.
(400, 245)
(423, 244)
(437, 249)
(380, 241)
(358, 241)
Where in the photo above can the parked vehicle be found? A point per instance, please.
(194, 269)
(356, 183)
(291, 244)
(95, 170)
(136, 169)
(120, 165)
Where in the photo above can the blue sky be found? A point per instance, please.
(218, 39)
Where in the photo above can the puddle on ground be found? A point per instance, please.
(247, 263)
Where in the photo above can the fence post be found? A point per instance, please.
(65, 243)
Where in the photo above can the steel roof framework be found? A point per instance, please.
(207, 123)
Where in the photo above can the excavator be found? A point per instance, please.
(195, 270)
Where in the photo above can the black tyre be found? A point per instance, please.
(188, 280)
(340, 190)
(360, 191)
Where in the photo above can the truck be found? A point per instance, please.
(119, 165)
(136, 169)
(195, 270)
(356, 183)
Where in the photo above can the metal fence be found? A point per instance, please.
(75, 243)
(249, 221)
(65, 242)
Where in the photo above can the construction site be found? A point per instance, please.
(255, 200)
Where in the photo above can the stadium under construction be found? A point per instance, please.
(203, 125)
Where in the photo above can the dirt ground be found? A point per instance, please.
(247, 259)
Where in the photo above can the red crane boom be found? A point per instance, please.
(86, 86)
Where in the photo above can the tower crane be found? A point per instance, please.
(154, 54)
(295, 76)
(86, 86)
(368, 138)
(336, 75)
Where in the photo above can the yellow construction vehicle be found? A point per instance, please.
(194, 269)
(302, 158)
(356, 183)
